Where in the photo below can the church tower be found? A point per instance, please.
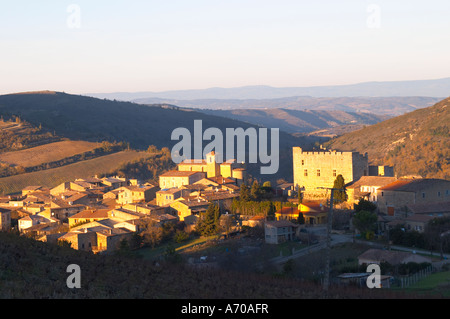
(212, 167)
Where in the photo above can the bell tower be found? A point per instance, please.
(212, 167)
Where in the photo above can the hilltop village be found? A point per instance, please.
(100, 214)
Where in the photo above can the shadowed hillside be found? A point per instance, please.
(33, 269)
(417, 143)
(90, 119)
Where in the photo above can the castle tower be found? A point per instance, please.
(212, 167)
(320, 168)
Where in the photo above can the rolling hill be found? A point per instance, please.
(89, 119)
(299, 121)
(417, 143)
(384, 106)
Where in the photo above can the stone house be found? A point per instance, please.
(176, 179)
(367, 188)
(394, 198)
(135, 194)
(190, 206)
(5, 219)
(166, 196)
(277, 232)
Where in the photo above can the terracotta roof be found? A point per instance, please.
(287, 211)
(419, 218)
(178, 174)
(100, 213)
(371, 181)
(395, 186)
(315, 206)
(413, 185)
(430, 208)
(193, 162)
(281, 223)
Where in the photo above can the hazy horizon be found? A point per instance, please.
(81, 47)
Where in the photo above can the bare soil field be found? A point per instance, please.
(55, 176)
(47, 153)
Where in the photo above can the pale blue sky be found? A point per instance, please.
(168, 45)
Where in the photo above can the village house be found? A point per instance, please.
(5, 219)
(254, 221)
(277, 232)
(124, 214)
(176, 179)
(287, 213)
(366, 188)
(440, 209)
(394, 198)
(166, 196)
(134, 194)
(86, 216)
(221, 198)
(31, 189)
(146, 209)
(31, 220)
(62, 213)
(189, 206)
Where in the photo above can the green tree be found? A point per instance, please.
(301, 218)
(365, 221)
(365, 205)
(300, 195)
(244, 193)
(340, 196)
(208, 223)
(271, 212)
(255, 191)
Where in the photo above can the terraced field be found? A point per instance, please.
(47, 153)
(56, 176)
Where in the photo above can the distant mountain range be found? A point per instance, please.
(431, 88)
(385, 106)
(300, 121)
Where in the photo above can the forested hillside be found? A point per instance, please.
(417, 143)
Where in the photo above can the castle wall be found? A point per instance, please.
(320, 169)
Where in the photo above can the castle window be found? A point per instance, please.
(423, 195)
(303, 162)
(318, 173)
(439, 194)
(306, 172)
(334, 173)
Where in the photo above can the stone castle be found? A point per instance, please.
(315, 169)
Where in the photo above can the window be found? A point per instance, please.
(439, 194)
(423, 195)
(303, 162)
(334, 173)
(306, 172)
(318, 173)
